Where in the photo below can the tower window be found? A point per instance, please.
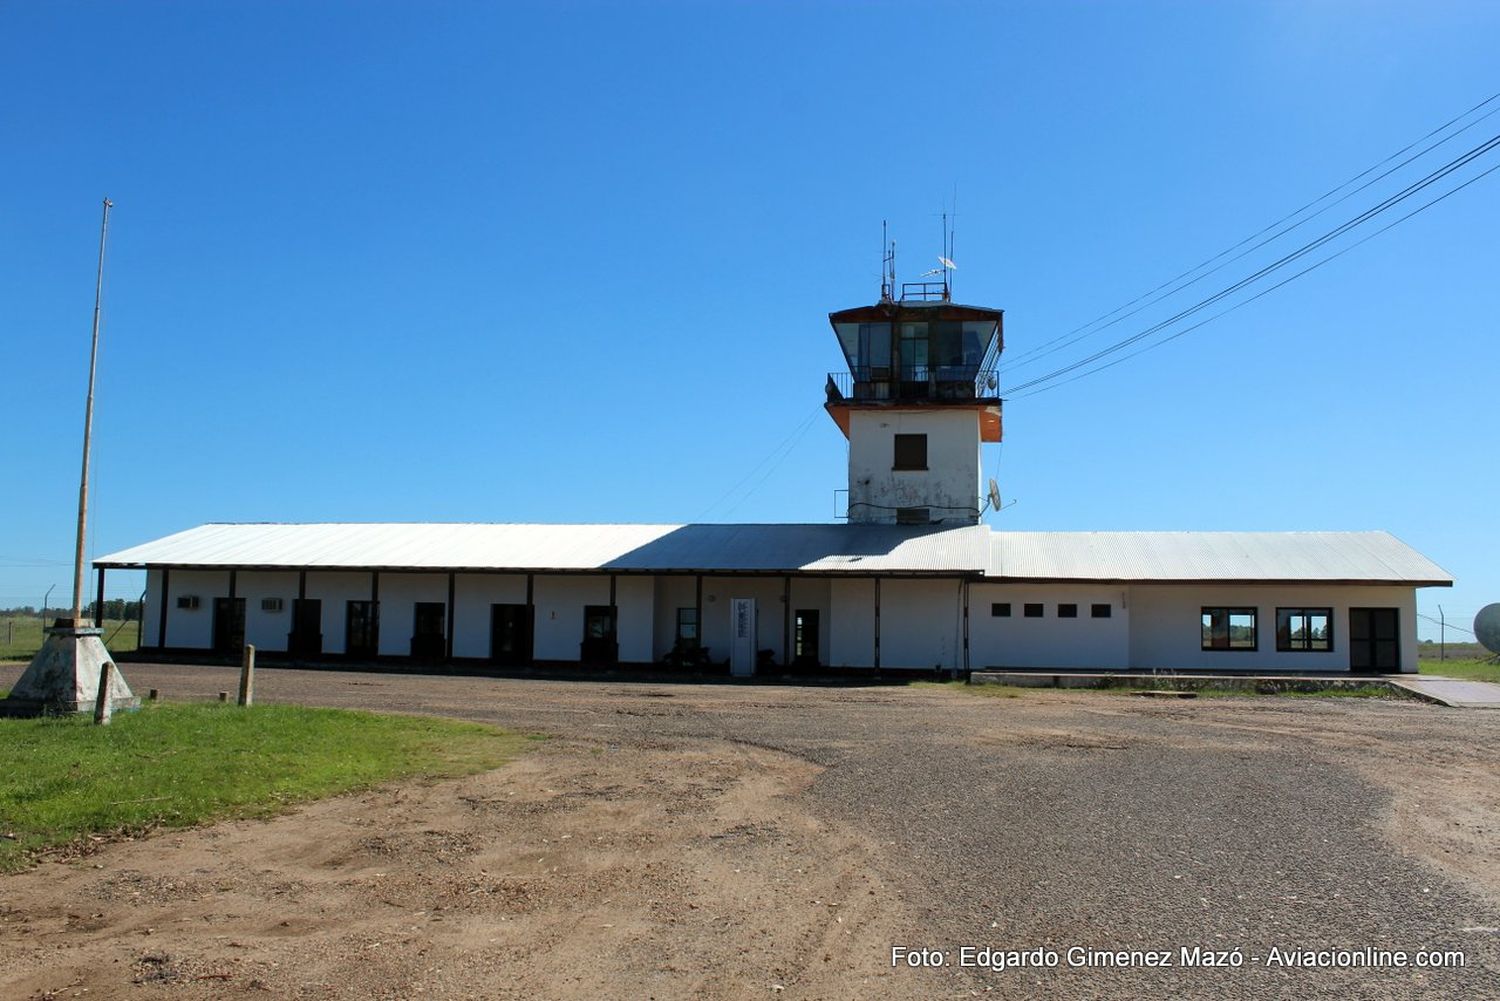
(1032, 609)
(911, 451)
(1067, 611)
(1000, 609)
(913, 516)
(1102, 611)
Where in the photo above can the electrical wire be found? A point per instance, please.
(1447, 625)
(1280, 263)
(1339, 253)
(778, 453)
(1033, 354)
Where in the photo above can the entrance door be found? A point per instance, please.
(306, 637)
(229, 626)
(428, 633)
(362, 629)
(599, 644)
(1374, 640)
(510, 634)
(805, 639)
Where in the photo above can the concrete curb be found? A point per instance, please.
(1250, 684)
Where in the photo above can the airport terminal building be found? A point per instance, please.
(912, 580)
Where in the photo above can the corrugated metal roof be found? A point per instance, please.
(747, 548)
(1365, 557)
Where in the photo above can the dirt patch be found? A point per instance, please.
(582, 870)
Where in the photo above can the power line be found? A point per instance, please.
(1302, 251)
(787, 443)
(1245, 302)
(807, 426)
(1033, 354)
(1447, 625)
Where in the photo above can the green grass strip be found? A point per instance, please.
(181, 765)
(1468, 669)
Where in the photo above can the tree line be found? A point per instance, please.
(114, 608)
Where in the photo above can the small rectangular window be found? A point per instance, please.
(1068, 611)
(1304, 629)
(913, 516)
(187, 601)
(1032, 610)
(1228, 629)
(1101, 611)
(911, 452)
(687, 627)
(271, 605)
(1000, 609)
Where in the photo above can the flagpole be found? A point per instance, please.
(88, 428)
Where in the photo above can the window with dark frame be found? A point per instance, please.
(1067, 611)
(1000, 609)
(1229, 628)
(687, 628)
(910, 452)
(1304, 629)
(1032, 610)
(1103, 610)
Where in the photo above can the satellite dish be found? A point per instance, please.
(995, 503)
(992, 382)
(1487, 627)
(947, 263)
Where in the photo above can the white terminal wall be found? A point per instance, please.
(949, 486)
(473, 594)
(770, 626)
(399, 595)
(1049, 641)
(814, 594)
(671, 594)
(268, 630)
(1166, 624)
(635, 598)
(334, 591)
(921, 623)
(559, 614)
(1151, 626)
(151, 610)
(194, 627)
(851, 622)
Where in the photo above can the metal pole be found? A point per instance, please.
(88, 426)
(1442, 634)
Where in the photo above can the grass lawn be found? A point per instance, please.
(21, 636)
(179, 765)
(1473, 669)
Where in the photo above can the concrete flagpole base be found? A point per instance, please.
(64, 675)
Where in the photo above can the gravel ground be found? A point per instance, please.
(1076, 819)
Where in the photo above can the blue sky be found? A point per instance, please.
(455, 261)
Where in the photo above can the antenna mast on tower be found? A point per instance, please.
(887, 265)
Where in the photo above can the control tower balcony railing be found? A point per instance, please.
(926, 382)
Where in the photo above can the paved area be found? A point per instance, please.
(1458, 693)
(1084, 820)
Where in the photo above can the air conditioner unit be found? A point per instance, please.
(271, 604)
(187, 601)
